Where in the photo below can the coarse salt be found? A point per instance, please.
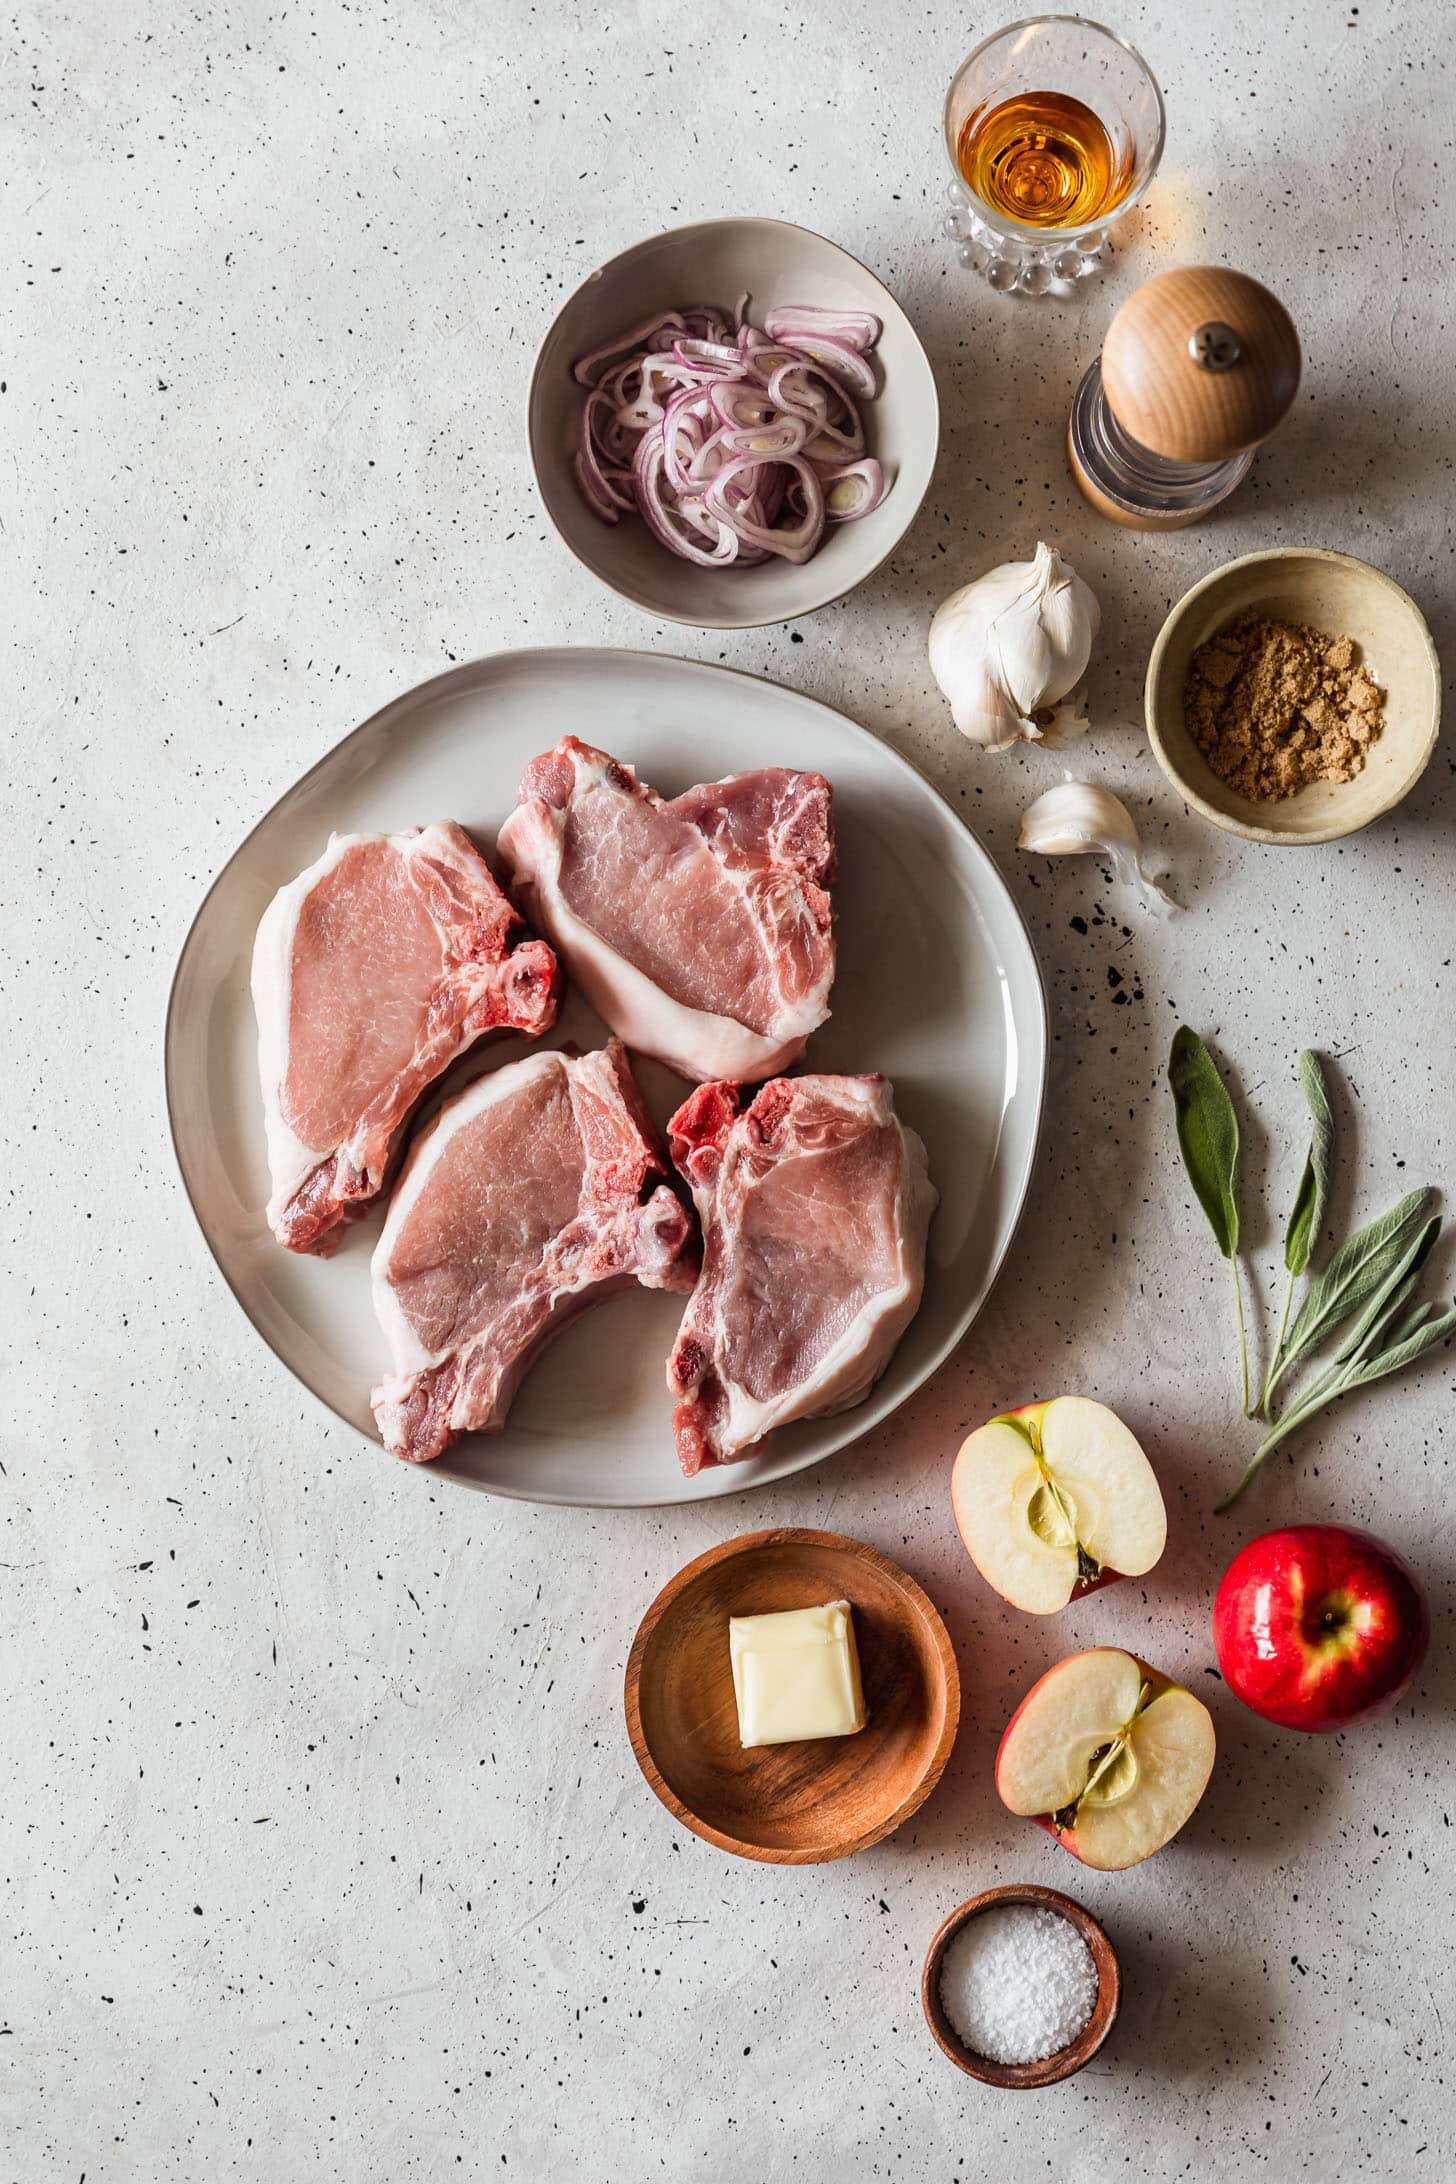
(1018, 1983)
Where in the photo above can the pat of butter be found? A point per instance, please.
(796, 1675)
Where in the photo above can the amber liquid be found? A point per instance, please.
(1042, 158)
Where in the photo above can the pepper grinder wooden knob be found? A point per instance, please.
(1199, 366)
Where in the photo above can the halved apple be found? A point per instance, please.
(1055, 1499)
(1107, 1755)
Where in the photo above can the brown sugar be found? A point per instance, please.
(1276, 705)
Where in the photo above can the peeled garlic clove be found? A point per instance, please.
(1007, 648)
(1077, 819)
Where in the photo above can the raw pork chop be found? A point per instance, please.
(699, 930)
(534, 1192)
(814, 1203)
(371, 972)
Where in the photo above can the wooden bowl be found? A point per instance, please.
(1052, 2068)
(716, 261)
(1343, 597)
(791, 1804)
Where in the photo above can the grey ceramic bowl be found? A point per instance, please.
(1344, 598)
(717, 262)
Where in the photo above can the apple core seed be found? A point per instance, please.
(1051, 1512)
(1114, 1768)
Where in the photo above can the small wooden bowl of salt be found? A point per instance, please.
(1020, 1986)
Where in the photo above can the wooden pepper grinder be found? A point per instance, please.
(1199, 366)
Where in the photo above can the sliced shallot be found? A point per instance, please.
(852, 491)
(733, 442)
(585, 370)
(859, 328)
(675, 523)
(838, 359)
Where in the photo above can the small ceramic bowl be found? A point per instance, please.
(1343, 597)
(718, 261)
(1052, 2068)
(791, 1804)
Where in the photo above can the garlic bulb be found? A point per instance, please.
(1076, 819)
(1008, 648)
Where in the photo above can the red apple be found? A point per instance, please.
(1107, 1755)
(1054, 1500)
(1317, 1627)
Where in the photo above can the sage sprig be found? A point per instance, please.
(1359, 1313)
(1208, 1133)
(1420, 1331)
(1307, 1219)
(1355, 1274)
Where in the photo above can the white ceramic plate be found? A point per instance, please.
(772, 263)
(937, 986)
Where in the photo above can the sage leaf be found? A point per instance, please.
(1399, 1298)
(1390, 1299)
(1355, 1273)
(1307, 1219)
(1208, 1135)
(1418, 1335)
(1418, 1318)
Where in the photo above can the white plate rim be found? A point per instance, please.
(875, 1409)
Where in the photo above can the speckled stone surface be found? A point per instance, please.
(322, 1852)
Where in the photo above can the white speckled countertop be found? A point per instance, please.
(322, 1851)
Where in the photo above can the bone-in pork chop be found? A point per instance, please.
(533, 1193)
(371, 972)
(815, 1202)
(698, 929)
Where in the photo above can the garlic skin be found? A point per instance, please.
(1011, 645)
(1078, 819)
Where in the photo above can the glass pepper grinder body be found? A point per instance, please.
(1199, 366)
